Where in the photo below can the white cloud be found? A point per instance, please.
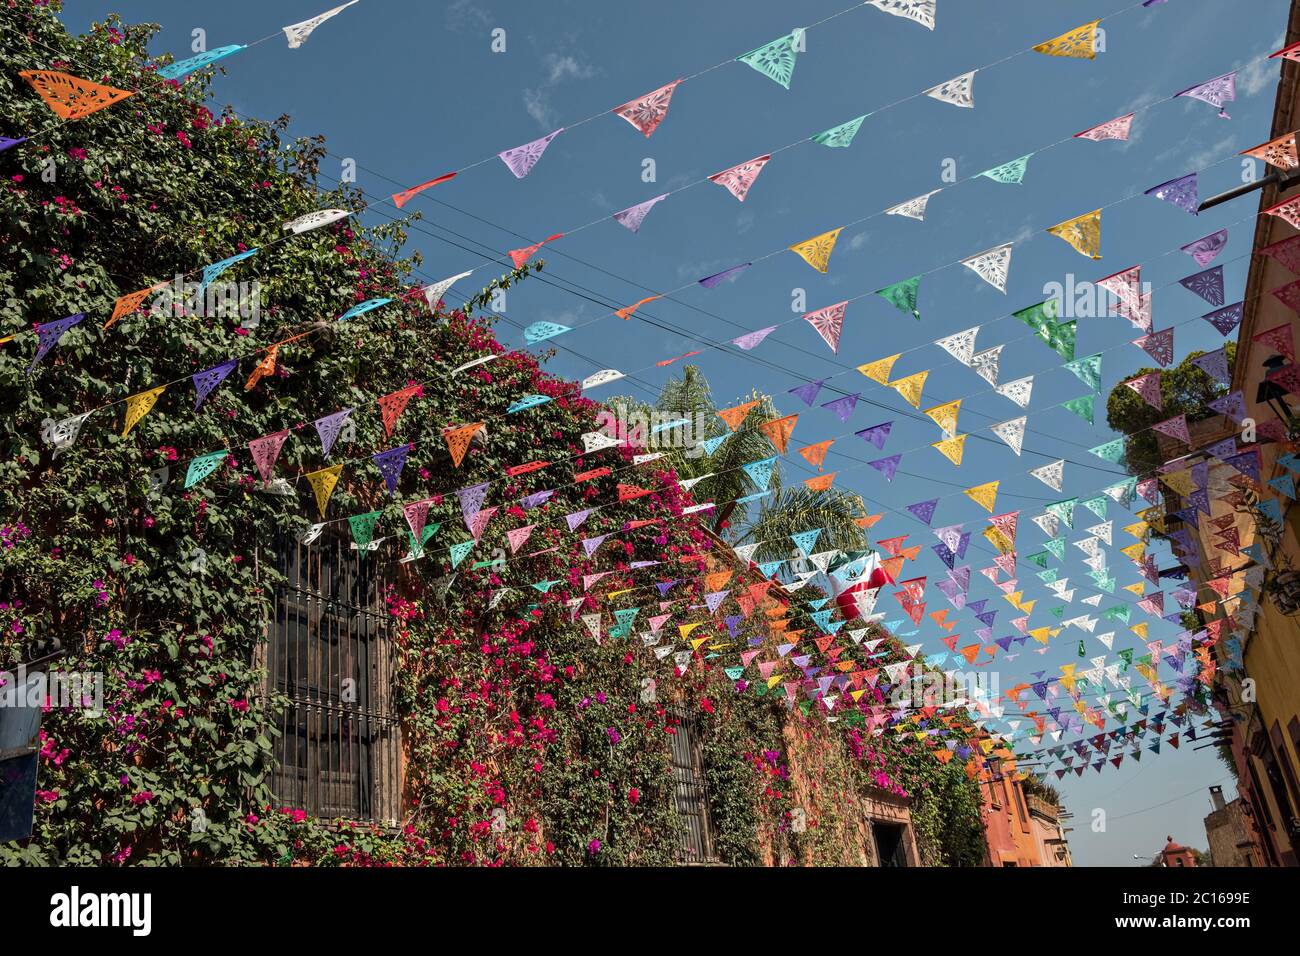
(537, 100)
(1257, 76)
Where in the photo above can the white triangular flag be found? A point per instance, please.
(992, 265)
(297, 33)
(959, 91)
(1012, 432)
(960, 345)
(1018, 391)
(1052, 474)
(913, 208)
(433, 293)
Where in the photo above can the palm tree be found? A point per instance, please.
(788, 510)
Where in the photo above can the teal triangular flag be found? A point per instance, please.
(205, 465)
(1064, 510)
(805, 541)
(1088, 370)
(903, 295)
(760, 472)
(1096, 505)
(774, 60)
(1111, 451)
(1056, 546)
(459, 550)
(710, 445)
(1011, 173)
(841, 135)
(770, 568)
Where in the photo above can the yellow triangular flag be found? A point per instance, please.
(878, 371)
(138, 406)
(952, 448)
(322, 483)
(1040, 634)
(998, 539)
(1140, 630)
(1139, 589)
(817, 250)
(1027, 606)
(1081, 43)
(685, 629)
(1140, 530)
(1014, 598)
(910, 387)
(1180, 481)
(1135, 551)
(1082, 232)
(985, 495)
(945, 416)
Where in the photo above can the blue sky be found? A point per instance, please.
(412, 90)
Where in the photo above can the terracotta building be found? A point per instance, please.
(1257, 656)
(1228, 831)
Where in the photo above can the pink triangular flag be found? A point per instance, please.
(829, 322)
(647, 112)
(265, 451)
(518, 536)
(738, 179)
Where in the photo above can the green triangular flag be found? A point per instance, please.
(1111, 451)
(1082, 406)
(1058, 612)
(203, 466)
(1011, 173)
(1088, 369)
(903, 295)
(1038, 557)
(1063, 338)
(774, 60)
(363, 529)
(1038, 317)
(1048, 576)
(841, 135)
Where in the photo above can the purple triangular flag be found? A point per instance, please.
(1206, 249)
(1233, 405)
(6, 142)
(1216, 92)
(522, 159)
(577, 518)
(924, 510)
(390, 464)
(808, 393)
(946, 555)
(1225, 319)
(1222, 449)
(591, 544)
(843, 407)
(210, 378)
(876, 435)
(1215, 364)
(1159, 345)
(1181, 192)
(1175, 427)
(632, 217)
(48, 335)
(665, 586)
(536, 499)
(328, 429)
(887, 466)
(726, 274)
(471, 502)
(1208, 285)
(751, 339)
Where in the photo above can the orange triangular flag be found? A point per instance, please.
(816, 454)
(70, 96)
(1280, 152)
(736, 414)
(458, 440)
(820, 482)
(625, 313)
(263, 368)
(521, 256)
(778, 431)
(128, 303)
(870, 521)
(393, 404)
